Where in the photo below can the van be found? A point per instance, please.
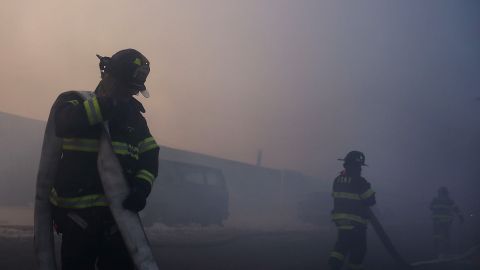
(186, 193)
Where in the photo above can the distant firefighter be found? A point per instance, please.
(443, 212)
(352, 197)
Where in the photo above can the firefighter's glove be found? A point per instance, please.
(137, 198)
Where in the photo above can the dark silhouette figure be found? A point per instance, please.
(352, 196)
(443, 213)
(90, 237)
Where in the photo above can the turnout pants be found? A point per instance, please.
(441, 236)
(351, 243)
(91, 240)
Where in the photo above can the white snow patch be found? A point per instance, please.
(16, 231)
(197, 235)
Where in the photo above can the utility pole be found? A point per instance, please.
(259, 157)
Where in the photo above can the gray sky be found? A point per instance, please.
(306, 81)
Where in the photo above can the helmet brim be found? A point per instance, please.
(342, 159)
(145, 93)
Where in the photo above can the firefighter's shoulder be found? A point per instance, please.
(69, 95)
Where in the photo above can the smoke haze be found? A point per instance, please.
(305, 81)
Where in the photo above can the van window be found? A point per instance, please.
(194, 177)
(214, 179)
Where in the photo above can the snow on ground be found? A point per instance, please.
(16, 231)
(197, 235)
(17, 222)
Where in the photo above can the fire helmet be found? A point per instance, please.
(443, 191)
(354, 158)
(128, 66)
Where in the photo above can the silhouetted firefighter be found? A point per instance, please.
(443, 212)
(90, 236)
(352, 197)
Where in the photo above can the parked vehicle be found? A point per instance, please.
(315, 208)
(186, 193)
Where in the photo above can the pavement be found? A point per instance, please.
(198, 248)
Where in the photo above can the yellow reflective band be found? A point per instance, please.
(77, 144)
(148, 148)
(355, 218)
(345, 195)
(97, 109)
(147, 140)
(86, 105)
(119, 146)
(91, 145)
(74, 102)
(137, 61)
(122, 148)
(81, 141)
(78, 202)
(367, 194)
(121, 152)
(81, 149)
(147, 145)
(146, 175)
(337, 255)
(92, 108)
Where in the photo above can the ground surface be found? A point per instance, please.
(220, 248)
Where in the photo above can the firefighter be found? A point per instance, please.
(90, 237)
(352, 195)
(444, 211)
